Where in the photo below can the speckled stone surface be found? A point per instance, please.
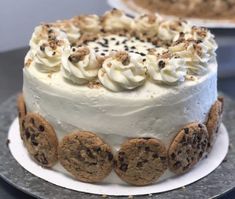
(219, 181)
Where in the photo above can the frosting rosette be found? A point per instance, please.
(46, 32)
(47, 57)
(170, 29)
(122, 72)
(166, 69)
(196, 54)
(88, 23)
(146, 25)
(203, 36)
(68, 27)
(121, 53)
(80, 65)
(116, 20)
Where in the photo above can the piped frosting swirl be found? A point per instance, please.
(122, 72)
(122, 53)
(80, 65)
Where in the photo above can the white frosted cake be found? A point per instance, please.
(209, 9)
(137, 96)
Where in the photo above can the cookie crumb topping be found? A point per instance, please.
(173, 43)
(79, 54)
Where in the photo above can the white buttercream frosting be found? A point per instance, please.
(169, 70)
(88, 23)
(107, 45)
(161, 100)
(147, 25)
(122, 72)
(147, 40)
(80, 65)
(45, 32)
(149, 111)
(116, 20)
(197, 48)
(68, 27)
(47, 56)
(169, 29)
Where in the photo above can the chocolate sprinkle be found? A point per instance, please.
(161, 64)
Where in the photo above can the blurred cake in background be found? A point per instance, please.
(205, 9)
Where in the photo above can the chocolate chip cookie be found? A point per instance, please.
(214, 121)
(188, 147)
(86, 156)
(21, 113)
(141, 161)
(40, 140)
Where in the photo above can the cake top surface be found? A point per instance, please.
(120, 53)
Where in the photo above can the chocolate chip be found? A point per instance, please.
(194, 140)
(23, 124)
(173, 156)
(89, 153)
(142, 54)
(120, 158)
(42, 48)
(50, 31)
(121, 153)
(94, 163)
(161, 64)
(183, 139)
(186, 167)
(147, 148)
(98, 149)
(27, 133)
(177, 164)
(123, 167)
(200, 125)
(155, 155)
(32, 121)
(41, 158)
(209, 145)
(199, 41)
(105, 41)
(139, 164)
(146, 138)
(200, 154)
(33, 140)
(41, 128)
(113, 38)
(110, 156)
(144, 161)
(186, 130)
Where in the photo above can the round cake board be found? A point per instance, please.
(202, 169)
(210, 23)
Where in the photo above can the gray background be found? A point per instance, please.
(19, 17)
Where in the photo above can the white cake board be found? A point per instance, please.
(210, 23)
(203, 168)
